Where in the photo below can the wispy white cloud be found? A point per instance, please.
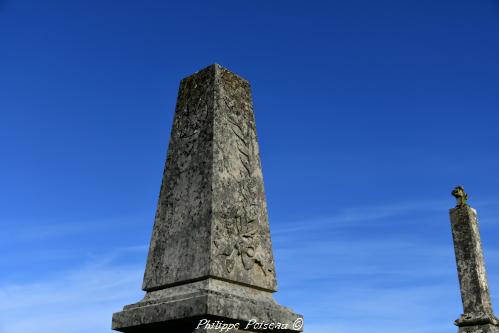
(40, 230)
(80, 300)
(341, 280)
(424, 309)
(352, 282)
(348, 217)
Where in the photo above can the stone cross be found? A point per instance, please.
(210, 257)
(478, 316)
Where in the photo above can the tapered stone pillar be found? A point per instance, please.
(478, 316)
(210, 260)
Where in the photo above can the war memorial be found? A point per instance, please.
(210, 266)
(210, 260)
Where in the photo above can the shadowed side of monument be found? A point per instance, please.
(478, 316)
(210, 255)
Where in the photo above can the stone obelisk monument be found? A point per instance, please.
(478, 316)
(210, 260)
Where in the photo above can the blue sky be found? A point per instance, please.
(368, 114)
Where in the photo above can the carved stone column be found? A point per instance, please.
(210, 255)
(478, 316)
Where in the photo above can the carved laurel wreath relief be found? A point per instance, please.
(241, 237)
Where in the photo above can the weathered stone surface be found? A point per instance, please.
(478, 315)
(180, 245)
(479, 329)
(207, 299)
(212, 216)
(210, 255)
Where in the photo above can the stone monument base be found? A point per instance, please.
(477, 322)
(206, 306)
(488, 328)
